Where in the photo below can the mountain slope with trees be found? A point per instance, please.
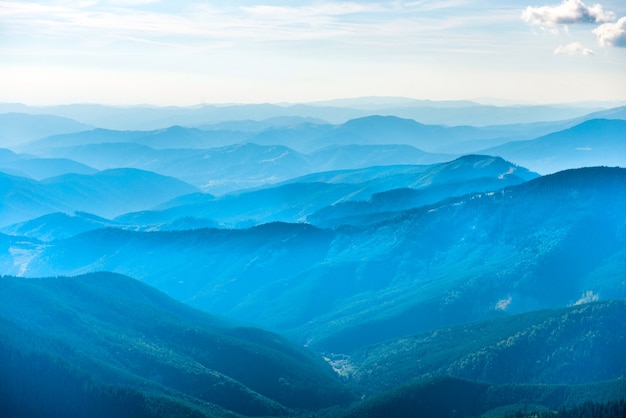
(121, 342)
(540, 244)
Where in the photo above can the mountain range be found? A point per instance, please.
(366, 257)
(107, 193)
(450, 113)
(594, 142)
(119, 346)
(116, 346)
(18, 128)
(519, 249)
(25, 165)
(300, 199)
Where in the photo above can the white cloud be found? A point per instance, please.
(568, 12)
(133, 2)
(574, 48)
(320, 9)
(612, 34)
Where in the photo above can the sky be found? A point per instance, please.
(181, 53)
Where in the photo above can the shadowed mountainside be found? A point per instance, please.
(541, 244)
(573, 345)
(102, 334)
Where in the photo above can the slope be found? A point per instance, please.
(170, 137)
(225, 169)
(323, 197)
(59, 225)
(464, 175)
(540, 244)
(19, 128)
(116, 332)
(452, 397)
(107, 193)
(574, 345)
(591, 143)
(25, 165)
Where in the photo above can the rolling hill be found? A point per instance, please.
(171, 137)
(229, 168)
(335, 112)
(545, 243)
(379, 130)
(591, 143)
(464, 175)
(39, 168)
(19, 128)
(574, 345)
(107, 193)
(443, 396)
(320, 197)
(59, 225)
(95, 344)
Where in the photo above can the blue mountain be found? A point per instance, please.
(39, 168)
(591, 143)
(59, 226)
(325, 198)
(107, 193)
(19, 128)
(107, 345)
(549, 242)
(229, 168)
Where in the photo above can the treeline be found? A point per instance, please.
(36, 385)
(611, 409)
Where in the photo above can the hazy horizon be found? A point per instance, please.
(335, 101)
(129, 52)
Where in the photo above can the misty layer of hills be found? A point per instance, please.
(358, 258)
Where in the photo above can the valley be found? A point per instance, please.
(354, 258)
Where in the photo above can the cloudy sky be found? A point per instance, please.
(236, 51)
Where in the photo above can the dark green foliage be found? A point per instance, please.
(114, 332)
(571, 345)
(439, 397)
(36, 384)
(451, 397)
(611, 409)
(542, 244)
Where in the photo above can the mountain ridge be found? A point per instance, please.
(468, 255)
(126, 333)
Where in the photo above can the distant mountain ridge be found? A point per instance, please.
(240, 166)
(25, 165)
(251, 160)
(593, 142)
(369, 130)
(315, 201)
(18, 128)
(431, 112)
(464, 175)
(107, 193)
(520, 249)
(59, 225)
